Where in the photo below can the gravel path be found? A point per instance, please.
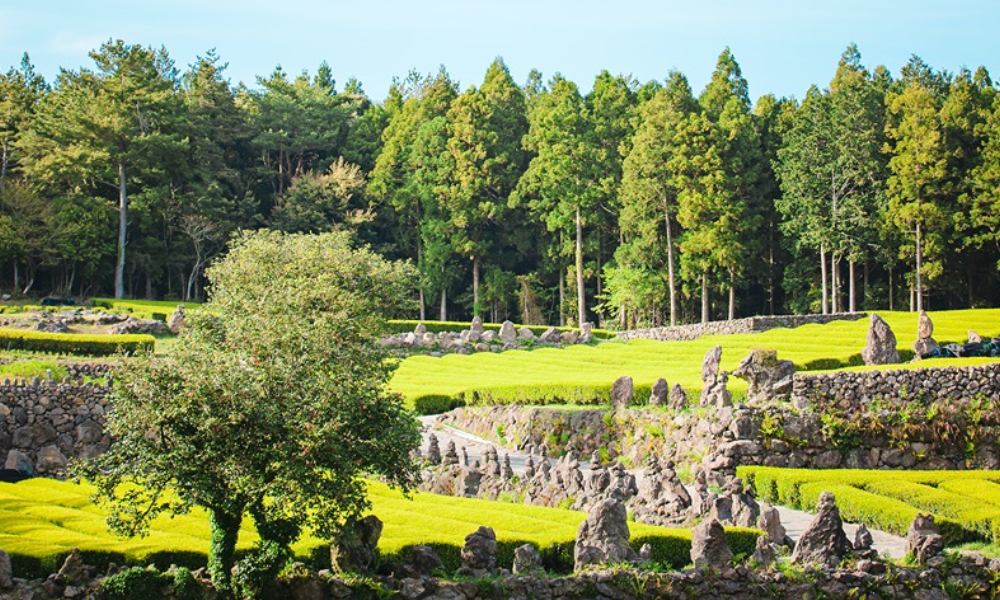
(795, 521)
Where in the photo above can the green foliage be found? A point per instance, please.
(271, 409)
(69, 343)
(435, 404)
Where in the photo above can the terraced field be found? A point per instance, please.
(42, 519)
(966, 504)
(585, 373)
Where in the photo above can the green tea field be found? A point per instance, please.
(966, 504)
(42, 519)
(585, 373)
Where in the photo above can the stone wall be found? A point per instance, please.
(718, 440)
(928, 383)
(747, 325)
(44, 424)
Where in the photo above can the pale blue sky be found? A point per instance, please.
(782, 45)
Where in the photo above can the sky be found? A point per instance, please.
(783, 46)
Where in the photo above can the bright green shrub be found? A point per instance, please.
(68, 343)
(971, 514)
(435, 404)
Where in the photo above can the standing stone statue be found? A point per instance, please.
(603, 537)
(923, 540)
(710, 370)
(477, 325)
(925, 343)
(709, 547)
(678, 397)
(433, 450)
(177, 320)
(881, 348)
(479, 555)
(622, 391)
(658, 395)
(823, 542)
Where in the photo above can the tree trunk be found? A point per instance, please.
(475, 286)
(225, 529)
(892, 304)
(444, 303)
(562, 299)
(834, 285)
(581, 296)
(920, 281)
(971, 279)
(17, 277)
(851, 297)
(4, 157)
(670, 269)
(420, 281)
(122, 226)
(732, 294)
(822, 275)
(866, 283)
(704, 297)
(770, 273)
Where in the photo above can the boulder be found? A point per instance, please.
(527, 560)
(422, 561)
(660, 393)
(507, 332)
(357, 546)
(550, 336)
(975, 338)
(881, 343)
(586, 333)
(678, 397)
(450, 454)
(923, 540)
(177, 320)
(823, 542)
(525, 334)
(52, 326)
(18, 461)
(477, 325)
(570, 337)
(479, 555)
(767, 377)
(622, 391)
(764, 554)
(73, 570)
(420, 329)
(709, 547)
(603, 537)
(770, 523)
(144, 326)
(51, 459)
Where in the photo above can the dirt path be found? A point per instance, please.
(795, 521)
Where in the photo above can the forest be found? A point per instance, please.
(631, 204)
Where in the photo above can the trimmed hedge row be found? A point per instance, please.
(68, 343)
(889, 500)
(408, 325)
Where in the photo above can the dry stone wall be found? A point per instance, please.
(928, 384)
(45, 424)
(747, 325)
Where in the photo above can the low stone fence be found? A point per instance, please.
(928, 384)
(44, 424)
(747, 325)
